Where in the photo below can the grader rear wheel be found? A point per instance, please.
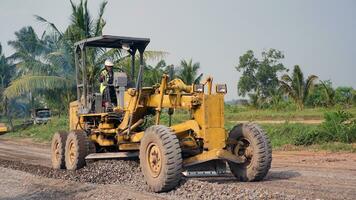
(160, 158)
(58, 149)
(77, 148)
(252, 143)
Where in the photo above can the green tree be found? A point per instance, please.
(6, 71)
(153, 74)
(260, 77)
(83, 26)
(47, 64)
(344, 95)
(296, 87)
(28, 50)
(188, 71)
(322, 94)
(329, 92)
(34, 72)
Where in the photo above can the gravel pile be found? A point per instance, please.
(129, 173)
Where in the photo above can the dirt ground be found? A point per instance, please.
(294, 175)
(20, 185)
(301, 121)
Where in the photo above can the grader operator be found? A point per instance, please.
(164, 151)
(107, 89)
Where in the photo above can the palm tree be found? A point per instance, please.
(329, 92)
(34, 71)
(188, 71)
(6, 71)
(47, 63)
(28, 50)
(83, 26)
(154, 74)
(296, 87)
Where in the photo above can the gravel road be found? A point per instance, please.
(25, 173)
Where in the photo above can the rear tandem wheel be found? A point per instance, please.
(58, 149)
(77, 148)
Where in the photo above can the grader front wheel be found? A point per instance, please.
(160, 158)
(252, 143)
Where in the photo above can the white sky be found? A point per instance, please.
(319, 35)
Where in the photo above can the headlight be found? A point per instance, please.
(199, 88)
(221, 88)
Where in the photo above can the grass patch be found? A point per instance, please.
(307, 137)
(237, 113)
(336, 147)
(284, 134)
(42, 132)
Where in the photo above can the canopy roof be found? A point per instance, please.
(111, 41)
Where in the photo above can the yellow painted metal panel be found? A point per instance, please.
(73, 115)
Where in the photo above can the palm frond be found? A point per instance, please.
(330, 93)
(114, 54)
(309, 83)
(152, 55)
(28, 84)
(50, 24)
(100, 23)
(198, 79)
(286, 78)
(286, 88)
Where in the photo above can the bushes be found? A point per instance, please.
(337, 127)
(307, 138)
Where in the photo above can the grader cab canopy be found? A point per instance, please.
(198, 146)
(131, 44)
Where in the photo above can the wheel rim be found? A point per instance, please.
(245, 149)
(56, 151)
(154, 159)
(72, 152)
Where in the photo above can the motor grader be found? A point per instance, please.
(199, 144)
(3, 128)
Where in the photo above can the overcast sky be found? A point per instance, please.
(319, 35)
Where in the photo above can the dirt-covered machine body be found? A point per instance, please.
(3, 129)
(165, 151)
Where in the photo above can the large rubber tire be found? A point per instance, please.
(255, 146)
(161, 158)
(77, 148)
(58, 149)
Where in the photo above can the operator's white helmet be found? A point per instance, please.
(109, 63)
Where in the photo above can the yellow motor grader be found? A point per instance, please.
(165, 152)
(3, 128)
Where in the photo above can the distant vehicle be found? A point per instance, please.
(3, 128)
(41, 116)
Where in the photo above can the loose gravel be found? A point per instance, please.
(128, 173)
